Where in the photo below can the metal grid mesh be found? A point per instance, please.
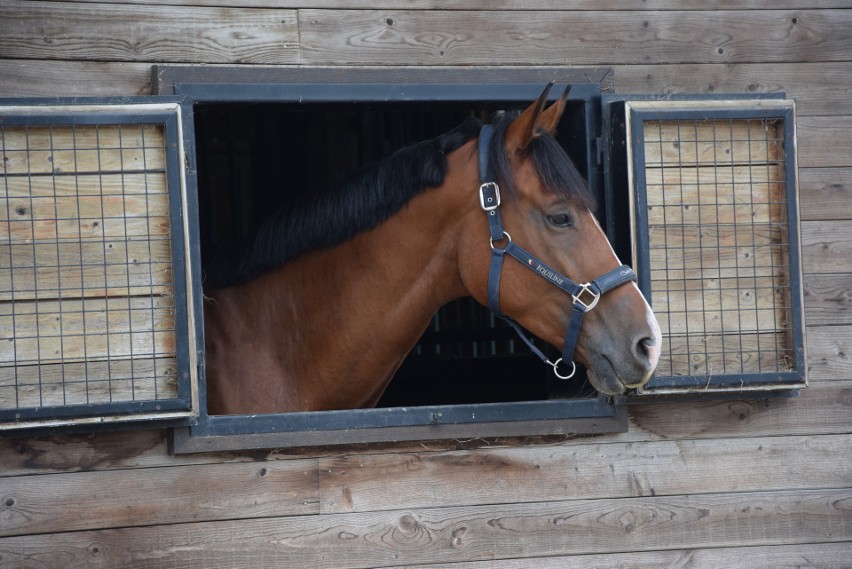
(86, 292)
(718, 236)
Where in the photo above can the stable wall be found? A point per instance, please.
(699, 484)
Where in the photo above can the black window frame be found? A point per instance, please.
(551, 417)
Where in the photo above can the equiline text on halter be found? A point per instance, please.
(584, 296)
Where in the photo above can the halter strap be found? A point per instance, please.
(585, 296)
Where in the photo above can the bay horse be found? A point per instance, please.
(322, 306)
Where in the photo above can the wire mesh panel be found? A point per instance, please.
(716, 206)
(89, 296)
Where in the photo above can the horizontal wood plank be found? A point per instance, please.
(152, 496)
(824, 408)
(334, 37)
(499, 5)
(823, 142)
(458, 534)
(828, 299)
(819, 88)
(825, 194)
(533, 474)
(829, 352)
(805, 556)
(122, 32)
(826, 247)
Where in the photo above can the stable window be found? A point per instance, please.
(109, 210)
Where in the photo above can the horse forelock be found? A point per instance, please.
(555, 168)
(321, 220)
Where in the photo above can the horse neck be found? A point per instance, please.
(354, 311)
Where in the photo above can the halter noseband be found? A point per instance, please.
(585, 296)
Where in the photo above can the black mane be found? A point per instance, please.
(375, 193)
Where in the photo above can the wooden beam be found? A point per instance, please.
(123, 32)
(460, 534)
(821, 555)
(334, 37)
(155, 496)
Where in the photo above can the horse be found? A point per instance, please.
(322, 305)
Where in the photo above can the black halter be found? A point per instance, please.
(585, 296)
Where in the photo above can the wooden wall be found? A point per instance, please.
(742, 484)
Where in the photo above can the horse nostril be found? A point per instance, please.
(647, 351)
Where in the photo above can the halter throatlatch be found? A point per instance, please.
(585, 296)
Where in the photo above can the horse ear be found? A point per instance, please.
(550, 117)
(523, 129)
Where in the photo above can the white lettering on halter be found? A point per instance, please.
(550, 274)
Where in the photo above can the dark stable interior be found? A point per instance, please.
(246, 151)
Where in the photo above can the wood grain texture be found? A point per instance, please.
(501, 531)
(820, 88)
(499, 5)
(828, 299)
(533, 474)
(829, 352)
(825, 194)
(826, 247)
(824, 408)
(609, 38)
(120, 498)
(805, 556)
(824, 141)
(120, 32)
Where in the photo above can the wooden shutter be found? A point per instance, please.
(95, 322)
(715, 240)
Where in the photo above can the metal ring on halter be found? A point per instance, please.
(505, 236)
(555, 366)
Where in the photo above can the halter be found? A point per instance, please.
(585, 296)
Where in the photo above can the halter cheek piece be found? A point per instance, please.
(585, 296)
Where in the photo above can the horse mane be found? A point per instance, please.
(375, 193)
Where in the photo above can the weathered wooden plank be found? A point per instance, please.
(824, 141)
(500, 5)
(692, 143)
(829, 352)
(828, 299)
(31, 329)
(825, 193)
(805, 556)
(334, 37)
(41, 78)
(355, 483)
(711, 353)
(94, 280)
(819, 88)
(156, 496)
(78, 385)
(826, 247)
(99, 185)
(458, 534)
(536, 474)
(823, 408)
(120, 32)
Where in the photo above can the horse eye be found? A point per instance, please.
(560, 220)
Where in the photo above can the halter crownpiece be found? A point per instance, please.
(584, 296)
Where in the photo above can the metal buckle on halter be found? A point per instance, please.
(483, 200)
(586, 289)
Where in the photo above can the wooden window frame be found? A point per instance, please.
(623, 122)
(97, 112)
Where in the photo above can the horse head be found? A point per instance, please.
(540, 211)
